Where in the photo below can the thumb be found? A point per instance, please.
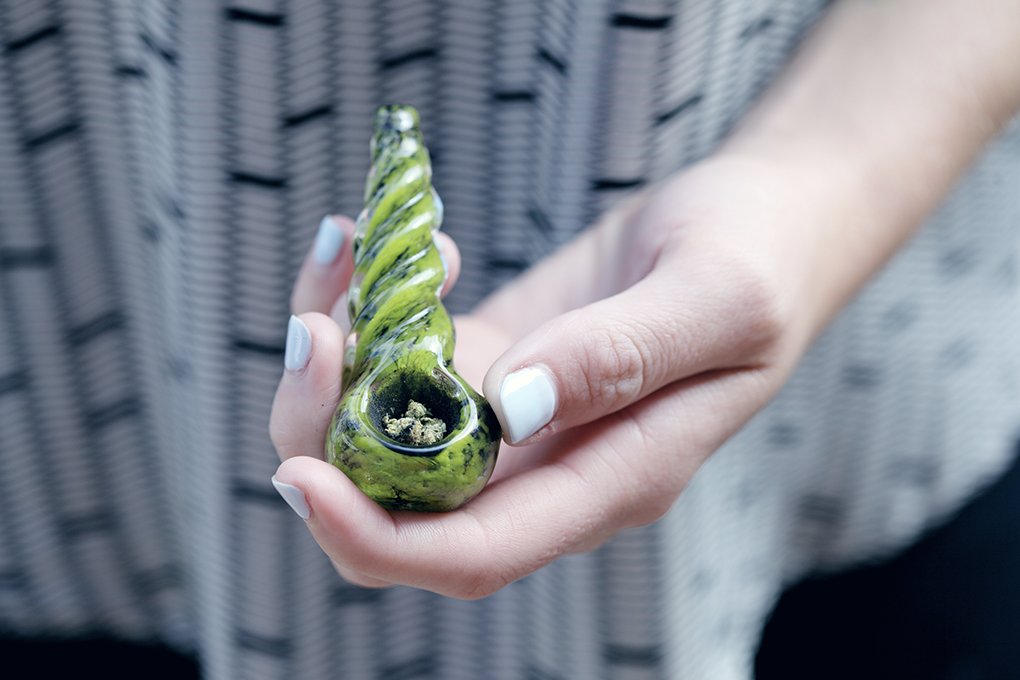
(601, 358)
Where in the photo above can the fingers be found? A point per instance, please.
(623, 471)
(323, 279)
(681, 320)
(313, 359)
(310, 387)
(327, 268)
(466, 553)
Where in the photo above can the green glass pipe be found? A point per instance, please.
(408, 430)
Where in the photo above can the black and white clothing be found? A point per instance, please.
(163, 167)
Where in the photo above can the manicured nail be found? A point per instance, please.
(328, 242)
(295, 498)
(528, 400)
(299, 345)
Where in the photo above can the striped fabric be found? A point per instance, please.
(163, 167)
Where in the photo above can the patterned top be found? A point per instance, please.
(163, 166)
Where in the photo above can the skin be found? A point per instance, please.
(401, 345)
(674, 319)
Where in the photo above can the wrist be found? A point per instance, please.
(873, 121)
(829, 236)
(796, 218)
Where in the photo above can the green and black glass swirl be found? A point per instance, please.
(409, 431)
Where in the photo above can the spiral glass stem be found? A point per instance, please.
(409, 431)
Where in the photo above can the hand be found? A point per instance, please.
(660, 331)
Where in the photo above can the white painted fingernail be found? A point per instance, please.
(295, 498)
(299, 345)
(528, 400)
(328, 242)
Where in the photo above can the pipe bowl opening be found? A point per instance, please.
(418, 411)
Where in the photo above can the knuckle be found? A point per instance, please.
(613, 364)
(278, 434)
(763, 316)
(282, 442)
(657, 491)
(282, 434)
(654, 509)
(480, 584)
(485, 572)
(653, 485)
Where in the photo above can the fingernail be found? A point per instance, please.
(295, 498)
(328, 242)
(446, 266)
(528, 400)
(299, 345)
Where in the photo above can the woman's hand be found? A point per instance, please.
(659, 332)
(619, 364)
